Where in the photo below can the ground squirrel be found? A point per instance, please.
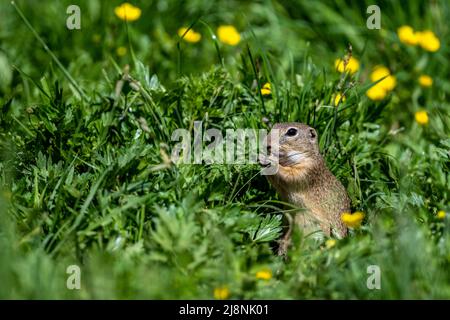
(304, 180)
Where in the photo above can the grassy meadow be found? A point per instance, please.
(86, 118)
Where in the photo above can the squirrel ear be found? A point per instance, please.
(312, 133)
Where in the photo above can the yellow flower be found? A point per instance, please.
(441, 214)
(425, 81)
(127, 12)
(352, 220)
(381, 89)
(339, 99)
(190, 36)
(228, 35)
(428, 40)
(352, 65)
(376, 93)
(380, 72)
(121, 51)
(266, 89)
(330, 243)
(221, 293)
(407, 35)
(421, 117)
(265, 274)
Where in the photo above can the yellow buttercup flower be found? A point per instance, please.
(425, 81)
(421, 117)
(190, 36)
(228, 35)
(428, 40)
(330, 243)
(221, 293)
(380, 72)
(381, 89)
(407, 35)
(339, 99)
(266, 89)
(352, 220)
(376, 93)
(121, 51)
(265, 274)
(127, 12)
(352, 65)
(441, 214)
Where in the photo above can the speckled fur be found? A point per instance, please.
(307, 182)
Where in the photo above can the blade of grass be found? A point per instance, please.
(50, 52)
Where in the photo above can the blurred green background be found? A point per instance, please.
(85, 127)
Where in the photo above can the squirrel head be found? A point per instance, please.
(293, 143)
(293, 153)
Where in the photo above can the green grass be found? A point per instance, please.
(87, 181)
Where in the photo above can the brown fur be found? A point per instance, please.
(304, 180)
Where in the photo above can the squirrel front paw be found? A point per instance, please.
(263, 160)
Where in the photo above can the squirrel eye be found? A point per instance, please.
(291, 132)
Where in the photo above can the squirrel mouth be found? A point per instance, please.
(288, 159)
